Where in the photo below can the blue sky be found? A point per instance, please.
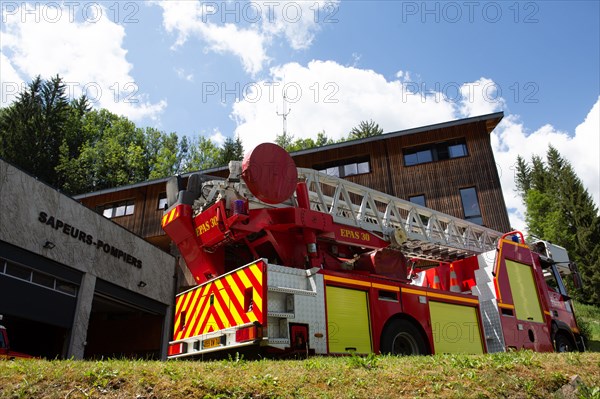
(219, 68)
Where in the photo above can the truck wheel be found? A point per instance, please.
(563, 343)
(401, 337)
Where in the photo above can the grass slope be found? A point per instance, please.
(518, 374)
(588, 318)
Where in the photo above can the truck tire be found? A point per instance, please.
(563, 343)
(401, 337)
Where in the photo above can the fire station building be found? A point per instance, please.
(74, 283)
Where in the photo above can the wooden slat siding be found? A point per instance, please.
(130, 222)
(153, 215)
(144, 220)
(377, 178)
(440, 181)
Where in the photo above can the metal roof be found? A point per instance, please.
(491, 121)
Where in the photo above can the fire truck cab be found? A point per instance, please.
(556, 267)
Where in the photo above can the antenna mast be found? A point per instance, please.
(284, 114)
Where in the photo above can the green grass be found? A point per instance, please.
(588, 317)
(517, 374)
(504, 375)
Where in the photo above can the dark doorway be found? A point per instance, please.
(118, 329)
(35, 338)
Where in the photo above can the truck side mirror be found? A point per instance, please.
(577, 282)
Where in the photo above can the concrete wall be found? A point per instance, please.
(32, 213)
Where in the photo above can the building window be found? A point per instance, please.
(18, 271)
(435, 152)
(346, 167)
(457, 150)
(43, 279)
(162, 201)
(417, 157)
(333, 171)
(117, 209)
(31, 276)
(470, 205)
(417, 199)
(66, 288)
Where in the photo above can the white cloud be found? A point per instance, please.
(10, 81)
(182, 74)
(246, 44)
(88, 55)
(581, 149)
(297, 21)
(403, 75)
(246, 29)
(181, 17)
(190, 18)
(217, 138)
(479, 98)
(324, 95)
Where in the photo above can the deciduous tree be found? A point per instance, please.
(203, 154)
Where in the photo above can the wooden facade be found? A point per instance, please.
(145, 220)
(439, 182)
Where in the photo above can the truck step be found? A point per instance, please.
(279, 341)
(294, 291)
(281, 315)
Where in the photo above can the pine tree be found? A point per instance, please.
(522, 176)
(232, 150)
(365, 129)
(561, 210)
(33, 128)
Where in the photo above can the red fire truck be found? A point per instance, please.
(5, 352)
(291, 260)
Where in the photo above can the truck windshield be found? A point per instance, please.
(551, 281)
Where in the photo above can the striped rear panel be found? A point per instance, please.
(231, 300)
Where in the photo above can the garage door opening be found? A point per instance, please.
(35, 338)
(122, 330)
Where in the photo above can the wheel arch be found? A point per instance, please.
(560, 327)
(411, 320)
